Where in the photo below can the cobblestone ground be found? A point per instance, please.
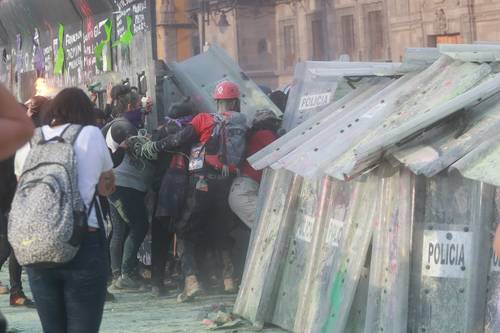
(132, 313)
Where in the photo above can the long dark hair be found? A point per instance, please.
(71, 105)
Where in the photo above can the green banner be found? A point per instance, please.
(58, 67)
(108, 25)
(127, 36)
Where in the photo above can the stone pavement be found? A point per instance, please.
(132, 313)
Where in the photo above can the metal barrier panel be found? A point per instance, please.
(296, 136)
(332, 208)
(450, 260)
(492, 318)
(318, 84)
(350, 259)
(200, 74)
(387, 302)
(256, 295)
(298, 256)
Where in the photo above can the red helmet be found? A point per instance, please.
(226, 90)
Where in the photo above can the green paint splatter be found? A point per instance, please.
(100, 47)
(58, 67)
(127, 36)
(336, 296)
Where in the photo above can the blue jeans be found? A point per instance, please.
(70, 298)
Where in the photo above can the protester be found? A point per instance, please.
(127, 103)
(172, 178)
(100, 117)
(215, 158)
(127, 205)
(8, 185)
(245, 188)
(7, 188)
(15, 127)
(70, 296)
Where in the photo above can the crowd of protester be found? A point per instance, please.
(81, 187)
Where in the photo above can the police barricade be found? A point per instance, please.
(318, 84)
(263, 266)
(492, 320)
(430, 245)
(450, 254)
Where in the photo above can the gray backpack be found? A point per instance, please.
(48, 218)
(227, 144)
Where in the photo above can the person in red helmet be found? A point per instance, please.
(218, 149)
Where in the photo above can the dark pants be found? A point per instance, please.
(129, 221)
(15, 270)
(70, 298)
(207, 219)
(161, 236)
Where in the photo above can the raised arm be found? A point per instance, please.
(185, 136)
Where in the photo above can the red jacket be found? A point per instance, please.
(256, 142)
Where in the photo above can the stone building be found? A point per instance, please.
(268, 38)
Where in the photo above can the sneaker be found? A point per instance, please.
(126, 282)
(192, 289)
(229, 286)
(4, 290)
(21, 300)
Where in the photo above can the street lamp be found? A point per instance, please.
(223, 23)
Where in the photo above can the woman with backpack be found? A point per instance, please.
(34, 107)
(55, 227)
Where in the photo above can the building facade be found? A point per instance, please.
(268, 38)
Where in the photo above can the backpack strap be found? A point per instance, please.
(71, 133)
(37, 137)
